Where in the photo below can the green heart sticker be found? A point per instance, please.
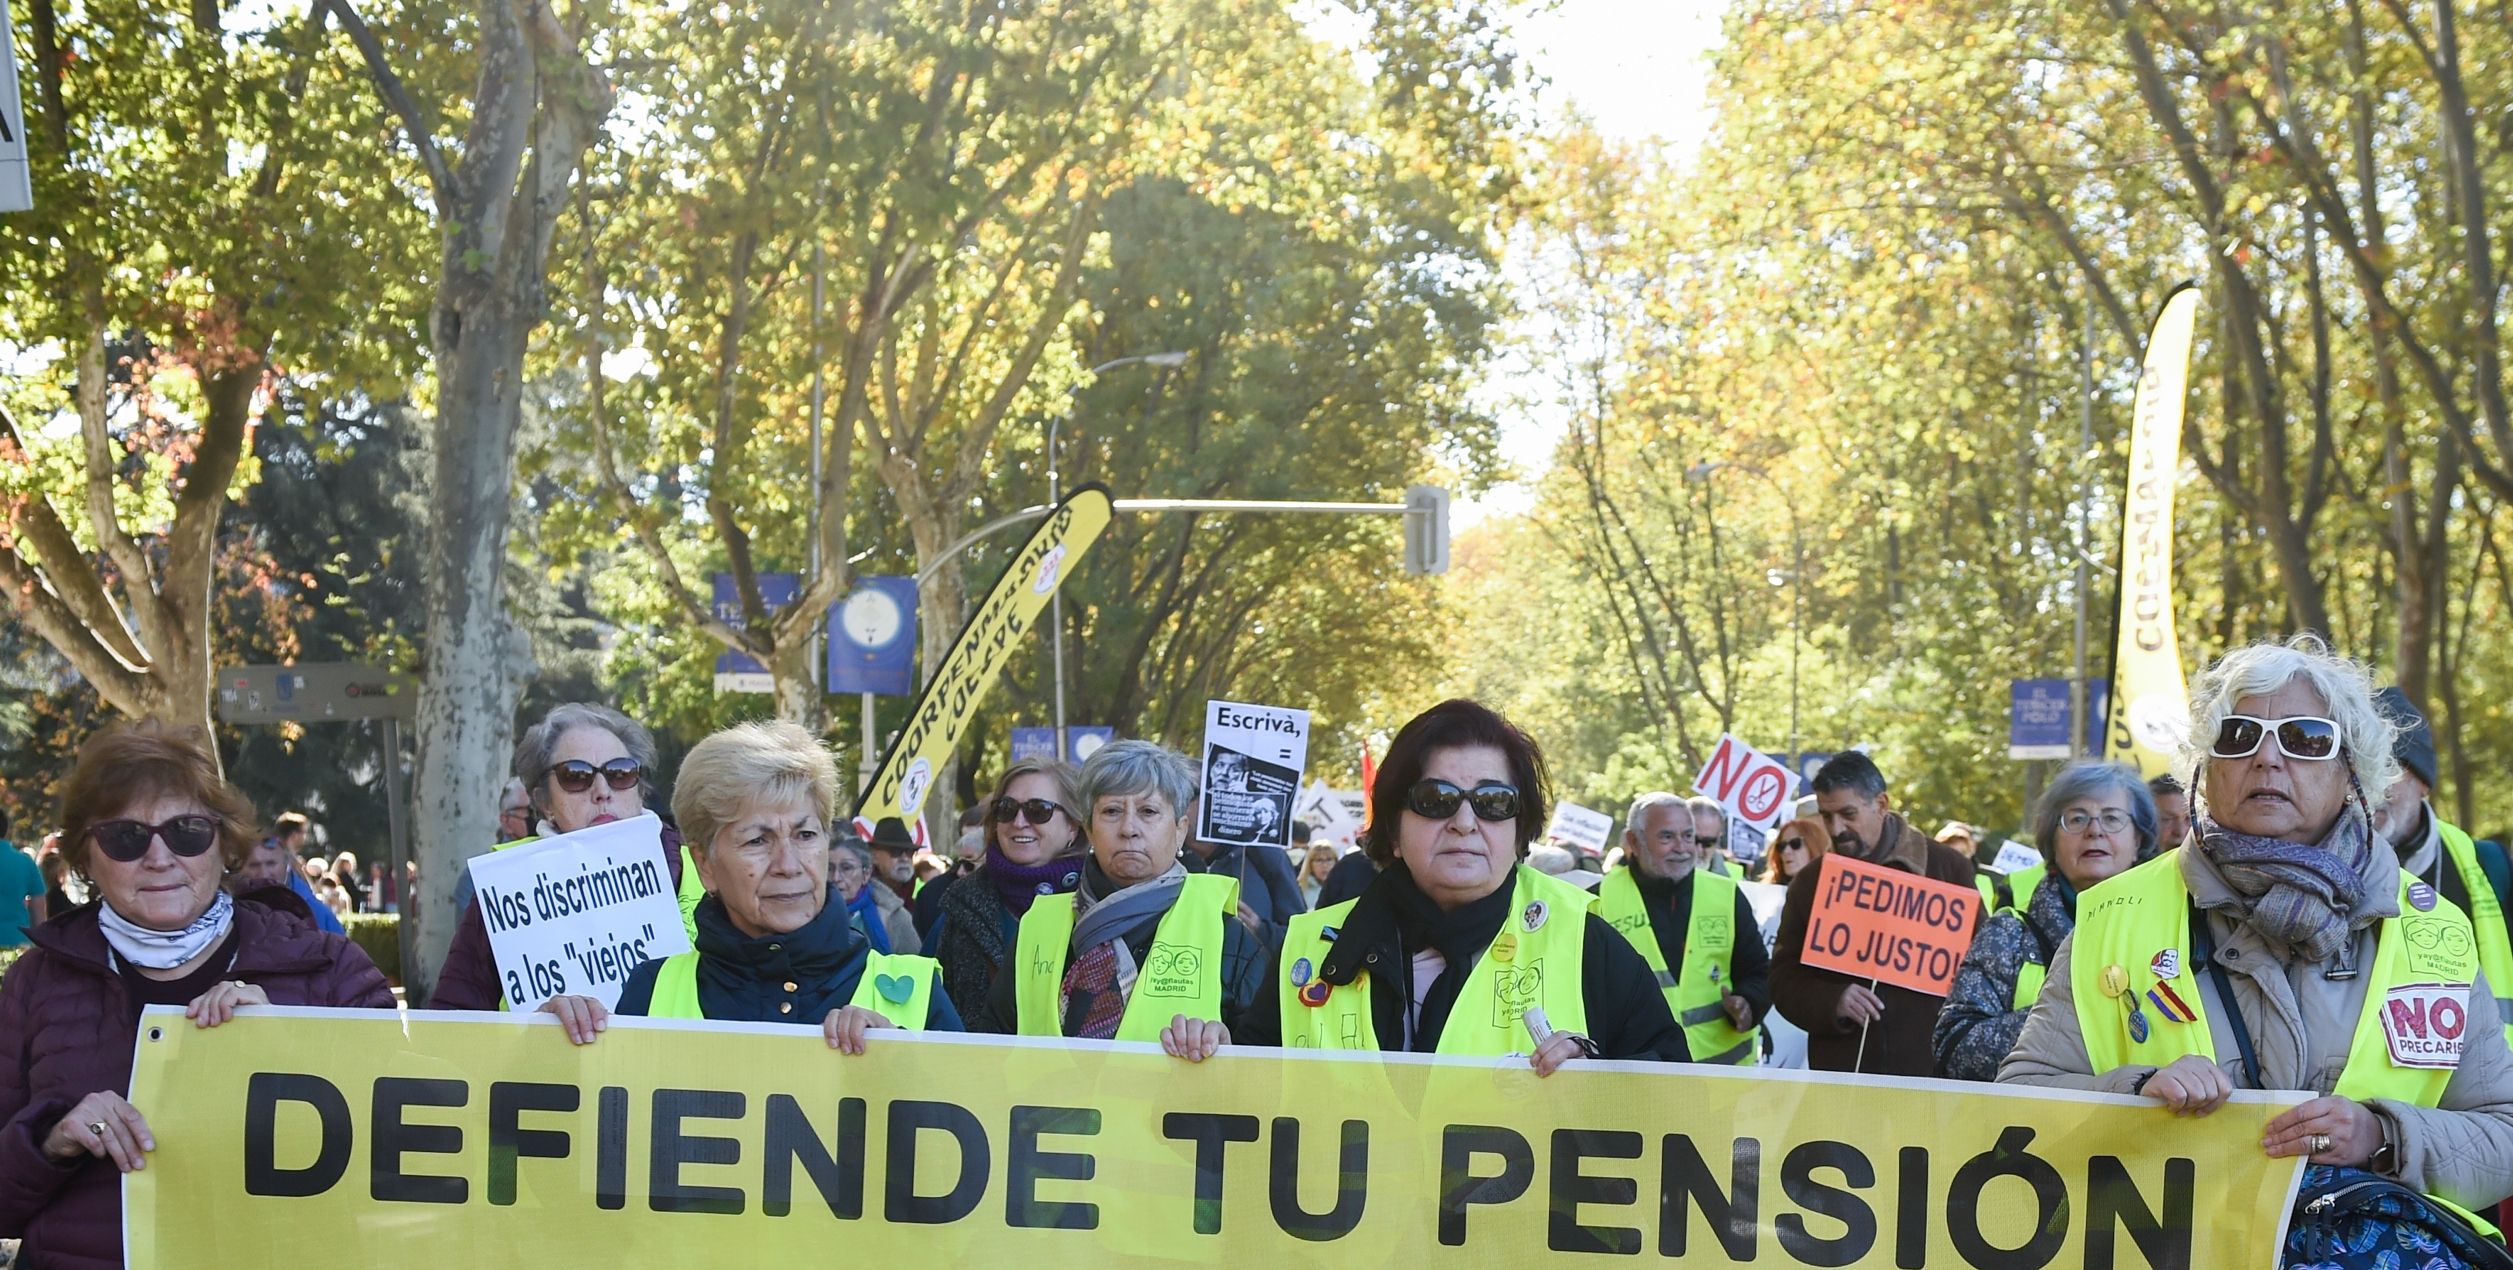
(894, 988)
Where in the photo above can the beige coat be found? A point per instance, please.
(896, 919)
(2302, 1024)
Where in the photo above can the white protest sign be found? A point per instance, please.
(1752, 785)
(17, 186)
(1745, 842)
(1581, 827)
(2014, 856)
(1253, 757)
(575, 913)
(1324, 808)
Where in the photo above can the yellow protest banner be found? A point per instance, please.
(976, 660)
(309, 1137)
(2150, 705)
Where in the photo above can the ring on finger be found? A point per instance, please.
(2320, 1144)
(97, 1127)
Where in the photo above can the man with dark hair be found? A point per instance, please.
(1850, 1025)
(288, 833)
(2172, 811)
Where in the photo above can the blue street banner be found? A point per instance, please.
(2037, 719)
(872, 637)
(1080, 742)
(741, 672)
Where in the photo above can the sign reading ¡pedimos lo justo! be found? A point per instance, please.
(1872, 922)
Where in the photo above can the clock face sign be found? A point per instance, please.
(871, 618)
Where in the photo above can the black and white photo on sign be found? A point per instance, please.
(1253, 756)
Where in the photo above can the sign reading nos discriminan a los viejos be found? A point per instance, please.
(575, 913)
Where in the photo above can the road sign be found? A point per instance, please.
(741, 672)
(872, 638)
(1081, 742)
(334, 692)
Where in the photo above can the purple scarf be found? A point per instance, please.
(1019, 884)
(2295, 893)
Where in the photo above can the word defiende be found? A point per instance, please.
(1587, 1185)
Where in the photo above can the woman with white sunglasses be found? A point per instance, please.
(2284, 949)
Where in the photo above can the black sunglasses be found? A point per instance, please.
(1037, 811)
(576, 775)
(127, 840)
(1438, 800)
(1792, 844)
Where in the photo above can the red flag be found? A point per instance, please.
(1369, 782)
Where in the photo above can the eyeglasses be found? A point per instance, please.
(1792, 844)
(1037, 811)
(1438, 800)
(1709, 840)
(576, 775)
(127, 840)
(2301, 736)
(2112, 820)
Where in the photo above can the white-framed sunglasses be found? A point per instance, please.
(2303, 736)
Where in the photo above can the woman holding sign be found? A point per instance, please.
(1142, 950)
(2095, 820)
(147, 818)
(2284, 948)
(775, 944)
(583, 765)
(1457, 947)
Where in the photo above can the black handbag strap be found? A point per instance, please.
(2203, 943)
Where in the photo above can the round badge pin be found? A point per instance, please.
(1504, 947)
(2421, 897)
(1300, 973)
(2115, 981)
(2166, 964)
(1534, 916)
(2137, 1025)
(1314, 994)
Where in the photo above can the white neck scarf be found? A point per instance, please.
(167, 949)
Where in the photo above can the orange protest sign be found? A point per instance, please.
(1884, 924)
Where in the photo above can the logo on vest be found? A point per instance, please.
(2166, 964)
(1513, 991)
(1170, 970)
(2421, 897)
(2423, 1023)
(1300, 972)
(2437, 946)
(1313, 994)
(1533, 918)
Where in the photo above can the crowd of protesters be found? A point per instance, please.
(2177, 941)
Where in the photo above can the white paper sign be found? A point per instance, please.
(1253, 758)
(1579, 826)
(576, 913)
(2014, 856)
(1752, 785)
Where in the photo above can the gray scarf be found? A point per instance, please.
(2299, 894)
(1104, 911)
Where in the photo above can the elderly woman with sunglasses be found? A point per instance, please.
(2095, 821)
(147, 818)
(582, 765)
(1033, 837)
(1458, 947)
(1141, 950)
(2283, 948)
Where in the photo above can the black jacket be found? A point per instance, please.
(1671, 917)
(1627, 1014)
(972, 938)
(1244, 958)
(799, 977)
(1268, 884)
(1348, 879)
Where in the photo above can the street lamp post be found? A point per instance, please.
(1797, 579)
(1055, 490)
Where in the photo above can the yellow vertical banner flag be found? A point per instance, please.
(303, 1137)
(2150, 700)
(1006, 617)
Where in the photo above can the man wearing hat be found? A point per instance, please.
(2471, 874)
(894, 880)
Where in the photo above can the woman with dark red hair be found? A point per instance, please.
(1457, 947)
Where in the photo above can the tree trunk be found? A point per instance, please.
(799, 699)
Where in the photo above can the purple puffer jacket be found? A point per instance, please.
(68, 1029)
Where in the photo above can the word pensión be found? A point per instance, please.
(1595, 1190)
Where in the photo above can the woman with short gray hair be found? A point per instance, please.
(1143, 950)
(2284, 948)
(582, 765)
(2095, 821)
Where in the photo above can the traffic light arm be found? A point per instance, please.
(1425, 510)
